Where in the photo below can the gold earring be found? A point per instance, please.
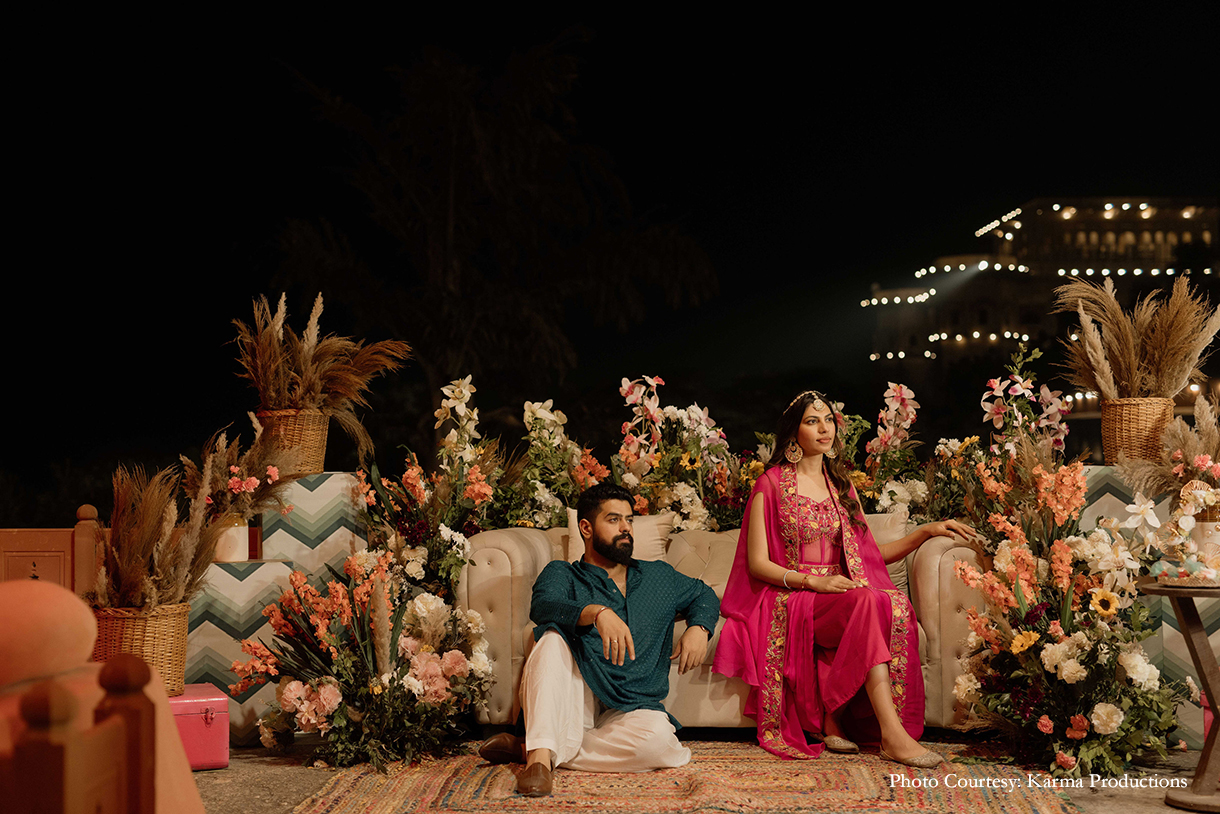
(830, 453)
(793, 452)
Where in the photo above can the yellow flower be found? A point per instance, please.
(687, 463)
(1023, 641)
(525, 523)
(974, 439)
(426, 648)
(376, 687)
(956, 475)
(1104, 602)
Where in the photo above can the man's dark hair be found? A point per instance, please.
(592, 499)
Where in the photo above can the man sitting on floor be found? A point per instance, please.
(592, 687)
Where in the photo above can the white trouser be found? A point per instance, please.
(561, 715)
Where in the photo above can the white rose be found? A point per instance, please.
(427, 605)
(1055, 654)
(1072, 671)
(1106, 718)
(965, 688)
(414, 569)
(474, 621)
(1003, 558)
(1142, 674)
(1193, 689)
(630, 480)
(413, 685)
(480, 665)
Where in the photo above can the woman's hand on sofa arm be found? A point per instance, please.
(953, 530)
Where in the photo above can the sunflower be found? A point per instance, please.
(1104, 602)
(1022, 641)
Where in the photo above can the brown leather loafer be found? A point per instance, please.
(535, 781)
(503, 748)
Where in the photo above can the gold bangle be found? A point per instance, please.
(599, 613)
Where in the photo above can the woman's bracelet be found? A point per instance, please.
(785, 580)
(599, 613)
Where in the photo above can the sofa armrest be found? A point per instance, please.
(498, 583)
(941, 601)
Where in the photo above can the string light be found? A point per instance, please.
(1003, 219)
(910, 299)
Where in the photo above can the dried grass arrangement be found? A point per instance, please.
(311, 372)
(1153, 352)
(1181, 447)
(244, 483)
(147, 561)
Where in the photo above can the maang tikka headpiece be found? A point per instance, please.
(818, 404)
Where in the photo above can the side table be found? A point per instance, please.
(1201, 794)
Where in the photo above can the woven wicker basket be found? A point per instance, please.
(303, 430)
(1134, 426)
(158, 637)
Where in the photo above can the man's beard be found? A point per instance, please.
(618, 550)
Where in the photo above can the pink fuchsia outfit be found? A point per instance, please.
(803, 653)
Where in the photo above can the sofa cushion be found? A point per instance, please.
(705, 555)
(887, 528)
(651, 533)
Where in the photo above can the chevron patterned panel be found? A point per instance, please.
(1177, 663)
(229, 610)
(322, 528)
(1108, 496)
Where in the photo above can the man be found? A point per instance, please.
(593, 685)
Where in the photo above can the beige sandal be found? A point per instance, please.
(928, 760)
(836, 744)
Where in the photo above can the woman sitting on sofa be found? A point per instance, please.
(814, 623)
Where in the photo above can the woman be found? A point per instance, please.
(814, 623)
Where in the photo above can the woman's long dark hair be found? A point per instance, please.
(835, 467)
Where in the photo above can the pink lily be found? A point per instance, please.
(1020, 387)
(994, 411)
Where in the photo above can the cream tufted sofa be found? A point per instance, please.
(505, 563)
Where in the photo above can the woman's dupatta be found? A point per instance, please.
(754, 643)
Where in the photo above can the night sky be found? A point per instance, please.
(807, 159)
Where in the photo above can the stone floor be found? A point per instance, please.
(260, 782)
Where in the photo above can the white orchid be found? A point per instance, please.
(459, 390)
(1143, 512)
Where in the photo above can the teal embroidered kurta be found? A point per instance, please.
(656, 596)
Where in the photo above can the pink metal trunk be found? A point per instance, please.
(202, 715)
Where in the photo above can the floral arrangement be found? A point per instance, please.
(382, 669)
(546, 479)
(424, 521)
(669, 455)
(241, 483)
(1025, 461)
(949, 476)
(1187, 454)
(732, 482)
(1191, 565)
(1056, 658)
(312, 372)
(1016, 411)
(889, 481)
(146, 559)
(1154, 351)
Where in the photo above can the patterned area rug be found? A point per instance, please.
(722, 777)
